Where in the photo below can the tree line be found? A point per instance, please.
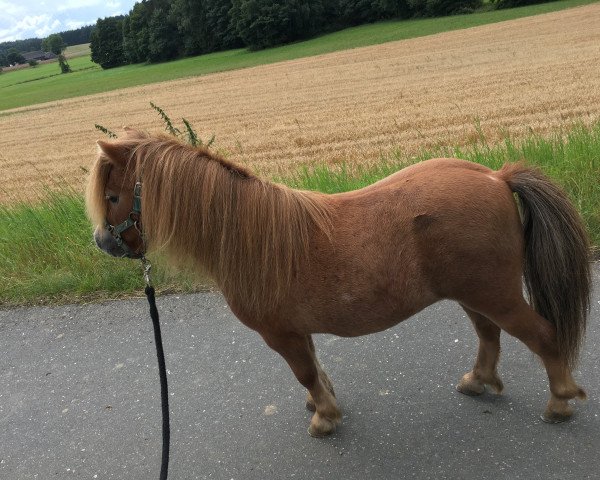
(12, 52)
(160, 30)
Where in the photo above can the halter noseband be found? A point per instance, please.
(117, 230)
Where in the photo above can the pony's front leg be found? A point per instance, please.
(298, 352)
(310, 403)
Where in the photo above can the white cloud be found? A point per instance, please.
(32, 22)
(27, 27)
(67, 5)
(12, 9)
(75, 24)
(34, 18)
(48, 28)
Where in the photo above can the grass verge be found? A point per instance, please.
(43, 83)
(47, 254)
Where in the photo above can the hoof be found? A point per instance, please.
(553, 417)
(470, 391)
(321, 427)
(469, 386)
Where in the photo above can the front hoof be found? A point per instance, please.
(469, 385)
(321, 427)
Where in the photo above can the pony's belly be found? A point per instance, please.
(352, 319)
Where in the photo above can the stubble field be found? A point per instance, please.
(537, 73)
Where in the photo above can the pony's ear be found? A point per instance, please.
(132, 132)
(115, 151)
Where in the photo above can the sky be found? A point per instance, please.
(20, 19)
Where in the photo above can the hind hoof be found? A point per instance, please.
(553, 417)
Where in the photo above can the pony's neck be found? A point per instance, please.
(250, 235)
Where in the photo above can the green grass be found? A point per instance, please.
(17, 88)
(75, 51)
(47, 253)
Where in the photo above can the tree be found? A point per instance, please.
(439, 8)
(356, 12)
(204, 26)
(54, 43)
(106, 42)
(136, 34)
(163, 38)
(14, 56)
(265, 23)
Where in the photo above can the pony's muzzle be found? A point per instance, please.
(108, 244)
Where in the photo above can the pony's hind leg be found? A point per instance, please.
(298, 352)
(484, 371)
(539, 335)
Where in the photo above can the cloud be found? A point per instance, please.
(38, 18)
(68, 5)
(30, 26)
(48, 28)
(12, 9)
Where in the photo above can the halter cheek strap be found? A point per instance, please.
(117, 230)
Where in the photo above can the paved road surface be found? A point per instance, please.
(79, 398)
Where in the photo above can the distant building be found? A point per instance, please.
(38, 55)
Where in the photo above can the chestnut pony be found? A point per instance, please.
(292, 263)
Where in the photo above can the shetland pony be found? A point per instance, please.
(292, 263)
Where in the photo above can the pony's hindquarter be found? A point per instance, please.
(557, 276)
(557, 265)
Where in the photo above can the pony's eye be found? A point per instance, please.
(112, 198)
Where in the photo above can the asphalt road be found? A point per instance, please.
(79, 398)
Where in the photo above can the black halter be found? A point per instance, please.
(129, 222)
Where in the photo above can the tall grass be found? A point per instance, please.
(47, 253)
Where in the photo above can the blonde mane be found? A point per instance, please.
(203, 211)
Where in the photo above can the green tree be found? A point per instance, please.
(439, 8)
(356, 12)
(136, 33)
(190, 18)
(264, 23)
(218, 21)
(14, 56)
(54, 43)
(163, 39)
(106, 42)
(204, 26)
(516, 3)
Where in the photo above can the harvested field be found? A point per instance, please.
(537, 73)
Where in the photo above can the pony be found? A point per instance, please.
(292, 263)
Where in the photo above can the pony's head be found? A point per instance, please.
(113, 199)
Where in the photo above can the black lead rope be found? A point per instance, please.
(162, 372)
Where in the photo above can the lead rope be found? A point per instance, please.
(162, 370)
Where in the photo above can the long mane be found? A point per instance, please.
(203, 211)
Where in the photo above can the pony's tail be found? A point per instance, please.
(557, 256)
